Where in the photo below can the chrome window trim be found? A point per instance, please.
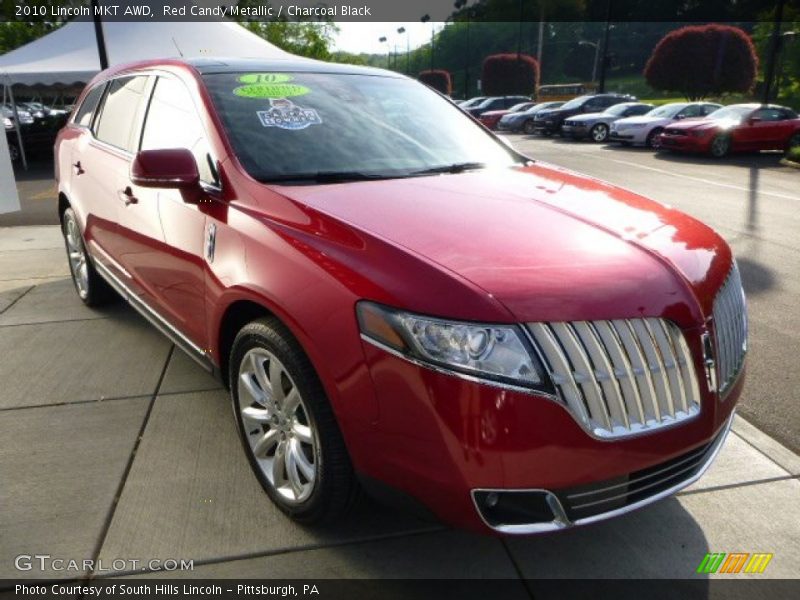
(562, 522)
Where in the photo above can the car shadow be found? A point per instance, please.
(751, 160)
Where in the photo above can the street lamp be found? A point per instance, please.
(785, 36)
(425, 18)
(459, 4)
(383, 40)
(401, 31)
(596, 47)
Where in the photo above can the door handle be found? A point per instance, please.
(78, 168)
(127, 196)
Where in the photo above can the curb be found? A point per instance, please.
(774, 450)
(790, 163)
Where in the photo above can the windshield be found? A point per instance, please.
(472, 102)
(519, 107)
(668, 110)
(575, 102)
(733, 113)
(299, 125)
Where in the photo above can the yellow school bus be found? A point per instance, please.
(564, 91)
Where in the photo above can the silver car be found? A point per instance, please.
(523, 120)
(597, 125)
(646, 130)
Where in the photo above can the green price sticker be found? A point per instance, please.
(271, 90)
(265, 78)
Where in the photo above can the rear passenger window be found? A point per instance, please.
(119, 116)
(173, 122)
(86, 111)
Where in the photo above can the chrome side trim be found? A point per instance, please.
(193, 350)
(561, 521)
(466, 377)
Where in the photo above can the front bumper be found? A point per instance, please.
(683, 143)
(592, 503)
(546, 126)
(442, 439)
(575, 131)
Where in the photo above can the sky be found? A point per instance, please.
(358, 37)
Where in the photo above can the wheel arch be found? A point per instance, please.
(63, 205)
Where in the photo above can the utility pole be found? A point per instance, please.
(774, 44)
(98, 34)
(601, 87)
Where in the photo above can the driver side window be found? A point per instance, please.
(691, 111)
(172, 122)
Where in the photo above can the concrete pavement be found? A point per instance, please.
(113, 444)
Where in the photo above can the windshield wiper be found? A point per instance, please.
(453, 168)
(326, 177)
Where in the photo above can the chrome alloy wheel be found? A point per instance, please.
(277, 427)
(77, 257)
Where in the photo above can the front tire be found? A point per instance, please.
(287, 427)
(720, 146)
(654, 138)
(599, 133)
(92, 289)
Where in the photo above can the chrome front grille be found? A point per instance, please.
(620, 377)
(730, 326)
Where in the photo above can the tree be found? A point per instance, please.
(310, 39)
(438, 79)
(699, 61)
(509, 75)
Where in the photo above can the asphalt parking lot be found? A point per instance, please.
(114, 445)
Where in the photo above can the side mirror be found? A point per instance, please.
(173, 168)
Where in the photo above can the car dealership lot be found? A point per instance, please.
(114, 445)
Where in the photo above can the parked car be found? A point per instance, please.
(596, 125)
(548, 122)
(736, 128)
(492, 117)
(398, 300)
(495, 103)
(42, 111)
(647, 129)
(472, 102)
(7, 111)
(523, 121)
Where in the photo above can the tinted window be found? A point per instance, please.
(172, 122)
(709, 108)
(120, 113)
(769, 114)
(693, 110)
(316, 123)
(84, 116)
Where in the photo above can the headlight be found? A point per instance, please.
(492, 352)
(8, 123)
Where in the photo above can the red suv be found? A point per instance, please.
(396, 299)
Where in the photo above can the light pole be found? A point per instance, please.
(401, 31)
(596, 47)
(775, 40)
(384, 40)
(425, 19)
(459, 4)
(785, 36)
(601, 86)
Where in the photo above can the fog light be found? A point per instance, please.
(492, 499)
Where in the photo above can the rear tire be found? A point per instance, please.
(599, 133)
(654, 138)
(720, 146)
(528, 127)
(92, 289)
(287, 426)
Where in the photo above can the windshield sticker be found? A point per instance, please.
(285, 114)
(271, 90)
(265, 78)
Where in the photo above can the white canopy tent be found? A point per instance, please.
(69, 55)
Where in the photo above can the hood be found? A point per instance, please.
(494, 113)
(692, 124)
(590, 117)
(547, 243)
(643, 119)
